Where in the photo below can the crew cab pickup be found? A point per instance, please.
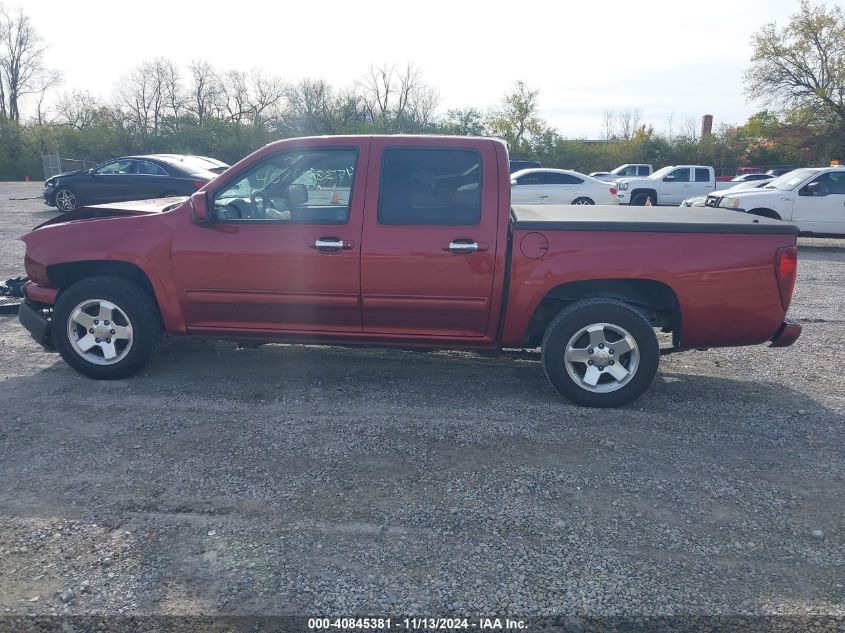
(406, 241)
(669, 186)
(628, 170)
(813, 199)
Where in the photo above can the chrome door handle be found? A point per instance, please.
(331, 245)
(462, 248)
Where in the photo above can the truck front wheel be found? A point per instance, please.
(640, 199)
(106, 327)
(600, 353)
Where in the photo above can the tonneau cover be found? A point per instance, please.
(649, 219)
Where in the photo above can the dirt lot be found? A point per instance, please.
(311, 480)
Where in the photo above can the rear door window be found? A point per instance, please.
(702, 175)
(430, 186)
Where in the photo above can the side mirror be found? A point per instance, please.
(669, 178)
(297, 194)
(91, 172)
(199, 205)
(813, 189)
(514, 183)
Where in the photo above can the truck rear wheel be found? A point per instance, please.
(106, 327)
(600, 353)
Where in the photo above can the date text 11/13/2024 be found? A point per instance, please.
(416, 624)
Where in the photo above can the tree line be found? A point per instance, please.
(797, 71)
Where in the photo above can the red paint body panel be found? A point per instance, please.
(40, 294)
(725, 285)
(398, 284)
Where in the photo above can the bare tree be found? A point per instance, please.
(80, 110)
(204, 90)
(310, 107)
(670, 126)
(629, 121)
(251, 97)
(348, 110)
(150, 96)
(173, 96)
(609, 124)
(48, 80)
(22, 70)
(398, 101)
(377, 87)
(690, 128)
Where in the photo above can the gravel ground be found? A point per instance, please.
(312, 480)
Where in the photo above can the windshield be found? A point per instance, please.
(662, 172)
(791, 179)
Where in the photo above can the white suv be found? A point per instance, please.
(811, 198)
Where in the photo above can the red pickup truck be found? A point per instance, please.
(406, 241)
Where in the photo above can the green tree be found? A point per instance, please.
(802, 65)
(517, 121)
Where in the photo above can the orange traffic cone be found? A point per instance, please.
(335, 199)
(648, 201)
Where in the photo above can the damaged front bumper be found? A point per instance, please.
(35, 312)
(32, 317)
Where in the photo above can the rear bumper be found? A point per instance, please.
(33, 319)
(787, 334)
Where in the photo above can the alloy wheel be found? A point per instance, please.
(602, 357)
(100, 332)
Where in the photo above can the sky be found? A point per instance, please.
(669, 59)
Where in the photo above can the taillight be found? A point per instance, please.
(199, 184)
(613, 191)
(786, 269)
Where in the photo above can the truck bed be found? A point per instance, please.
(644, 219)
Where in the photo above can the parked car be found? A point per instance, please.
(751, 177)
(743, 171)
(811, 198)
(518, 164)
(211, 164)
(559, 186)
(629, 170)
(780, 171)
(398, 257)
(669, 185)
(700, 201)
(131, 178)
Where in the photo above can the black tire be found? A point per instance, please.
(65, 199)
(138, 308)
(617, 314)
(583, 201)
(640, 199)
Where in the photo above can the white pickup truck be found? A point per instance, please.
(628, 170)
(669, 186)
(811, 198)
